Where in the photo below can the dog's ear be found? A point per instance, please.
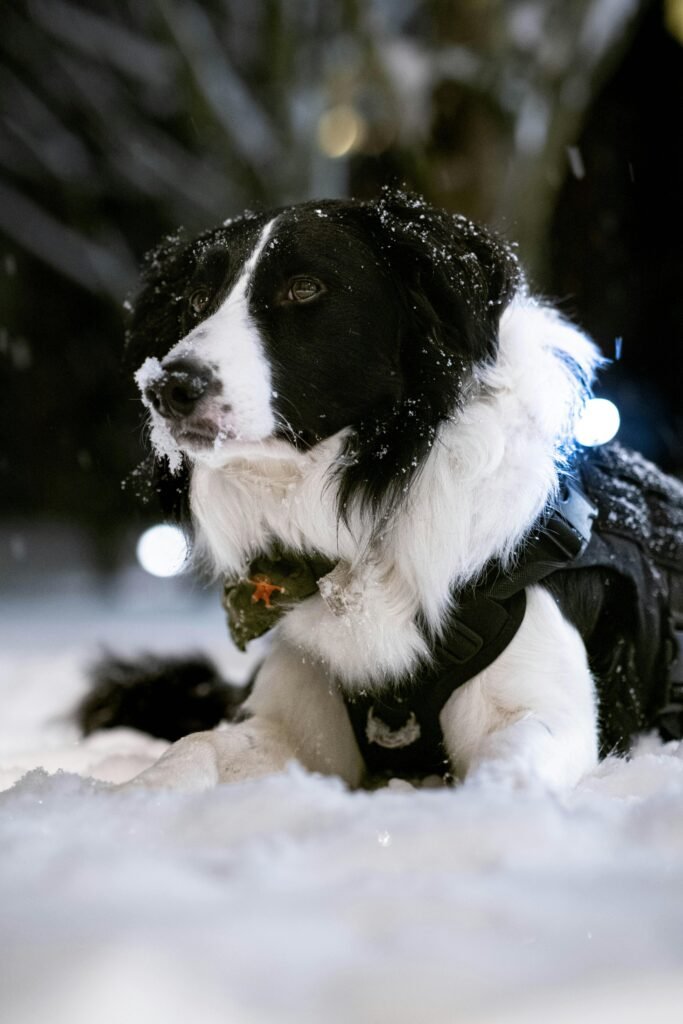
(453, 281)
(457, 278)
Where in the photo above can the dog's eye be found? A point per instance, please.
(303, 289)
(199, 300)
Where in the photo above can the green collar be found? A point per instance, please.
(255, 602)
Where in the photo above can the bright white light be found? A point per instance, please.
(162, 550)
(598, 422)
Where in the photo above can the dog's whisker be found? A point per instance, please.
(286, 426)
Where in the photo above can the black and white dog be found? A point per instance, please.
(371, 385)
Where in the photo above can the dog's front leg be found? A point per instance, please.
(243, 750)
(295, 713)
(529, 719)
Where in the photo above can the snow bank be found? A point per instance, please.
(290, 899)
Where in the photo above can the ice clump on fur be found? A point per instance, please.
(163, 442)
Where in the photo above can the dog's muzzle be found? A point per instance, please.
(176, 393)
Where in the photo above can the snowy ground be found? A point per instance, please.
(291, 899)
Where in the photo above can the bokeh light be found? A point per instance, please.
(162, 550)
(341, 130)
(599, 422)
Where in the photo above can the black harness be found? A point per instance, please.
(636, 554)
(616, 514)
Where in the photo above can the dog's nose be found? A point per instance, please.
(177, 392)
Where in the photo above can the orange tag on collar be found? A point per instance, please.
(264, 589)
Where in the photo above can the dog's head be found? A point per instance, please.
(298, 323)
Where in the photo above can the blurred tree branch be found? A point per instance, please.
(122, 120)
(195, 109)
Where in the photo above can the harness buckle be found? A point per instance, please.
(571, 521)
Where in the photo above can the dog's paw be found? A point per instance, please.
(529, 755)
(512, 776)
(190, 764)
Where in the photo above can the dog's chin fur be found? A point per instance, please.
(465, 506)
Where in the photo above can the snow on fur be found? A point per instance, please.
(163, 442)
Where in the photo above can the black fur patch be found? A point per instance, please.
(452, 281)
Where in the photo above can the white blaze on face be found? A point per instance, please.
(228, 342)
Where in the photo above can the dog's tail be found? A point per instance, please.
(164, 697)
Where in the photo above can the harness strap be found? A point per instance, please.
(398, 729)
(559, 538)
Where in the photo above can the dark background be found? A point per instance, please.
(556, 123)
